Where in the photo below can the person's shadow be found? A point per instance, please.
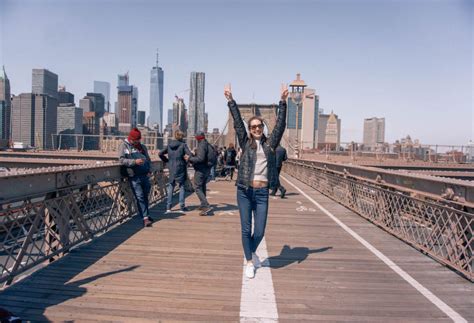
(290, 255)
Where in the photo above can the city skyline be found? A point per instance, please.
(406, 61)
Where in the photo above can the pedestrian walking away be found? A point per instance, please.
(229, 160)
(257, 174)
(202, 165)
(281, 156)
(134, 158)
(174, 154)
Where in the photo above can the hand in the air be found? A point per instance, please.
(228, 92)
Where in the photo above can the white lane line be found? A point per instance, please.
(257, 301)
(445, 308)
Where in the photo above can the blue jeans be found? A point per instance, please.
(141, 189)
(212, 174)
(169, 200)
(252, 200)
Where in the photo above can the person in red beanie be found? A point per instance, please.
(133, 156)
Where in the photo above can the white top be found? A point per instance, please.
(260, 173)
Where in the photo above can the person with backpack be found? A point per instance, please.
(133, 156)
(257, 174)
(177, 166)
(202, 161)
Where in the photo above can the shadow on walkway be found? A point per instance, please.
(290, 255)
(52, 284)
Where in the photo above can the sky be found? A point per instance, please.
(409, 61)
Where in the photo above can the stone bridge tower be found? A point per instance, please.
(266, 111)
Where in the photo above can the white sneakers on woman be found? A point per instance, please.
(250, 270)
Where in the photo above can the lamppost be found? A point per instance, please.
(297, 95)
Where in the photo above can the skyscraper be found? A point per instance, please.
(171, 118)
(65, 97)
(5, 106)
(127, 108)
(104, 89)
(98, 103)
(141, 117)
(69, 124)
(374, 132)
(196, 103)
(44, 82)
(156, 97)
(179, 114)
(34, 117)
(122, 80)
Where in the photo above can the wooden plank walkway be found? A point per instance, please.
(189, 268)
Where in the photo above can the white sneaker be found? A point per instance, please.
(168, 211)
(250, 271)
(256, 261)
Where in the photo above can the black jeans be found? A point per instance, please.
(278, 185)
(200, 180)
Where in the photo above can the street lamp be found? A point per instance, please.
(297, 95)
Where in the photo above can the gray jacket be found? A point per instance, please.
(127, 156)
(176, 163)
(200, 160)
(249, 155)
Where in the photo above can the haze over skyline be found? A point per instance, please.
(407, 61)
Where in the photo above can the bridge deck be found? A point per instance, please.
(188, 267)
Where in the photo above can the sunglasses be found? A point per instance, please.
(255, 126)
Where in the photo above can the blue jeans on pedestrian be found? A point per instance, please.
(141, 190)
(212, 174)
(252, 201)
(169, 200)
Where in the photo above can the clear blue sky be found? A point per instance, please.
(408, 61)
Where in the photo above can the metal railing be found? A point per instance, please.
(442, 232)
(79, 204)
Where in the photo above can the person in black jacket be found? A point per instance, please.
(133, 156)
(229, 159)
(177, 166)
(257, 174)
(281, 156)
(201, 171)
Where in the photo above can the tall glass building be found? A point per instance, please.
(44, 82)
(104, 89)
(5, 106)
(196, 103)
(156, 97)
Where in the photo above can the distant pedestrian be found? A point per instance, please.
(134, 157)
(174, 154)
(202, 167)
(257, 174)
(281, 156)
(230, 160)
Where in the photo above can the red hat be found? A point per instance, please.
(134, 134)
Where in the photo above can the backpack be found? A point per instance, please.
(211, 156)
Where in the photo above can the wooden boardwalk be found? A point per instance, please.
(189, 268)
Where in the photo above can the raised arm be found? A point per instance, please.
(238, 122)
(280, 125)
